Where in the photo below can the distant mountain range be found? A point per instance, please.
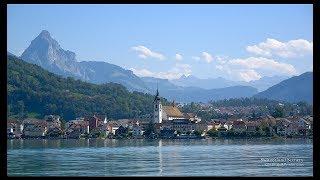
(294, 89)
(196, 94)
(265, 82)
(103, 72)
(210, 83)
(214, 83)
(47, 53)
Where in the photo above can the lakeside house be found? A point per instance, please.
(34, 128)
(137, 130)
(192, 117)
(54, 128)
(183, 125)
(228, 125)
(281, 126)
(121, 132)
(293, 126)
(239, 126)
(169, 113)
(77, 128)
(167, 133)
(14, 128)
(252, 126)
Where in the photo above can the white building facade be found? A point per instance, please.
(157, 109)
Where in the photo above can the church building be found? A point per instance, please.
(165, 113)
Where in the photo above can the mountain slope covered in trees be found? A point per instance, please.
(294, 89)
(33, 90)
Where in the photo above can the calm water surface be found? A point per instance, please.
(159, 157)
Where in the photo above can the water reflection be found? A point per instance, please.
(160, 158)
(110, 157)
(113, 143)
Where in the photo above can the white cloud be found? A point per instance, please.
(264, 64)
(178, 57)
(142, 72)
(204, 56)
(144, 53)
(196, 58)
(249, 75)
(253, 68)
(184, 68)
(142, 56)
(176, 72)
(207, 57)
(258, 51)
(219, 67)
(290, 49)
(221, 59)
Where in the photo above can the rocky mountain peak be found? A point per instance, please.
(47, 53)
(45, 33)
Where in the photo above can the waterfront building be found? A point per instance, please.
(281, 126)
(34, 128)
(53, 126)
(157, 109)
(167, 133)
(183, 125)
(137, 130)
(200, 126)
(239, 126)
(298, 126)
(169, 113)
(93, 121)
(14, 128)
(222, 131)
(228, 125)
(172, 112)
(211, 125)
(53, 120)
(252, 126)
(77, 128)
(192, 117)
(112, 126)
(121, 131)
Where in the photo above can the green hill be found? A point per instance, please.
(33, 91)
(294, 89)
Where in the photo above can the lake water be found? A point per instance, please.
(206, 157)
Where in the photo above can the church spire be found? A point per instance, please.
(157, 97)
(157, 111)
(157, 90)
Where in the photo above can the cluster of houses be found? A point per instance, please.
(168, 122)
(185, 126)
(287, 127)
(31, 127)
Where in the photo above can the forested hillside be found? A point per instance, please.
(33, 91)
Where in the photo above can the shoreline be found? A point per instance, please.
(184, 138)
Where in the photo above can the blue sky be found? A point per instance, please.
(238, 42)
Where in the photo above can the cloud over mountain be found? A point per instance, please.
(178, 57)
(290, 49)
(174, 73)
(145, 52)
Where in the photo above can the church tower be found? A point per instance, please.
(157, 109)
